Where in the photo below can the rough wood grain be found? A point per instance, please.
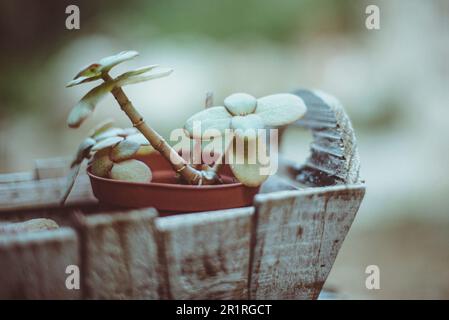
(43, 194)
(334, 158)
(33, 264)
(38, 224)
(16, 177)
(119, 255)
(206, 255)
(51, 167)
(282, 250)
(276, 183)
(296, 239)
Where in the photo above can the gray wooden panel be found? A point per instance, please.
(35, 194)
(341, 208)
(51, 167)
(334, 158)
(119, 255)
(297, 236)
(16, 177)
(206, 255)
(33, 264)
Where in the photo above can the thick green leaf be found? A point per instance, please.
(247, 126)
(106, 143)
(87, 104)
(217, 118)
(138, 75)
(245, 164)
(101, 127)
(124, 150)
(280, 109)
(240, 104)
(90, 71)
(138, 71)
(138, 138)
(248, 174)
(144, 151)
(131, 170)
(129, 131)
(108, 63)
(83, 151)
(94, 71)
(111, 132)
(83, 79)
(102, 164)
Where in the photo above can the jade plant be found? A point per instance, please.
(113, 150)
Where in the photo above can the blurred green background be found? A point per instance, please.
(393, 82)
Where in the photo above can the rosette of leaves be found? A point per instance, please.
(112, 152)
(244, 115)
(115, 153)
(99, 70)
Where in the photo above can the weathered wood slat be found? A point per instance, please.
(341, 209)
(44, 193)
(38, 224)
(16, 177)
(119, 255)
(33, 264)
(206, 255)
(326, 134)
(325, 161)
(276, 183)
(334, 149)
(51, 168)
(297, 235)
(283, 248)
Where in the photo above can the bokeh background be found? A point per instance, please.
(394, 83)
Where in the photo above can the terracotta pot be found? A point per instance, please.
(165, 194)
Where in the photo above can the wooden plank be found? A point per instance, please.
(44, 194)
(341, 208)
(51, 167)
(33, 264)
(16, 177)
(205, 255)
(276, 183)
(334, 154)
(119, 255)
(296, 239)
(38, 224)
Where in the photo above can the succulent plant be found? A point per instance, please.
(112, 152)
(86, 105)
(100, 70)
(244, 115)
(114, 149)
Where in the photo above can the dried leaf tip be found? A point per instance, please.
(94, 71)
(97, 71)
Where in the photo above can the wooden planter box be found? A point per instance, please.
(282, 247)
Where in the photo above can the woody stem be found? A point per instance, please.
(188, 173)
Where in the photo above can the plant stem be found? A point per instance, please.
(209, 101)
(188, 173)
